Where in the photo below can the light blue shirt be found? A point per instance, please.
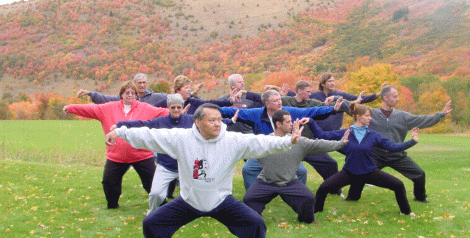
(359, 132)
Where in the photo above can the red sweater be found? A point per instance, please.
(112, 112)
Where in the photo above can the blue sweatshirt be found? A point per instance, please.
(359, 158)
(334, 121)
(184, 121)
(258, 117)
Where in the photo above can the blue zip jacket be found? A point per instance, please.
(359, 158)
(184, 121)
(258, 117)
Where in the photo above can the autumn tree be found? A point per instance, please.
(458, 88)
(418, 84)
(5, 113)
(370, 79)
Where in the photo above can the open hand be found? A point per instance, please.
(415, 134)
(185, 109)
(296, 131)
(447, 108)
(82, 92)
(338, 104)
(345, 138)
(235, 116)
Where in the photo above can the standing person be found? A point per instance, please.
(394, 125)
(261, 120)
(360, 166)
(144, 94)
(167, 167)
(278, 174)
(206, 155)
(237, 84)
(182, 86)
(326, 88)
(121, 156)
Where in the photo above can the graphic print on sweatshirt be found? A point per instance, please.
(200, 170)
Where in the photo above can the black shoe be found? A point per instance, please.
(423, 201)
(113, 206)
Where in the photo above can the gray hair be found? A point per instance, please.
(231, 79)
(174, 99)
(267, 94)
(140, 76)
(199, 113)
(385, 91)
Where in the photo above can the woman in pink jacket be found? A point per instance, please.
(121, 156)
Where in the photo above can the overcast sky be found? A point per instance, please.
(7, 1)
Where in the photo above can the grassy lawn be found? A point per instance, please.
(50, 186)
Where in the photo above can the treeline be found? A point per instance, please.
(419, 94)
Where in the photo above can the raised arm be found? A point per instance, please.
(391, 146)
(153, 123)
(327, 135)
(158, 140)
(99, 98)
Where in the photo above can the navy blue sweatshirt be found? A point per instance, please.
(359, 158)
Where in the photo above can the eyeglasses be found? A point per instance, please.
(175, 107)
(129, 93)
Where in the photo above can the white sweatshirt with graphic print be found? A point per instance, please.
(205, 167)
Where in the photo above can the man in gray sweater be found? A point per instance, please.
(278, 176)
(395, 124)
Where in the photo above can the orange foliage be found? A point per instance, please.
(278, 79)
(406, 102)
(23, 110)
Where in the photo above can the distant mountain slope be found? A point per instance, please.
(106, 42)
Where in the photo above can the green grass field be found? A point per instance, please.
(50, 186)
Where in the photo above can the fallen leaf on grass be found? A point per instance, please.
(380, 223)
(283, 225)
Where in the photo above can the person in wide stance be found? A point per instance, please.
(206, 156)
(360, 167)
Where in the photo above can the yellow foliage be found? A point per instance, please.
(434, 100)
(370, 79)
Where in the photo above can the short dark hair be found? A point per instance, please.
(278, 116)
(199, 113)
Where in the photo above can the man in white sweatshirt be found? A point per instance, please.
(206, 156)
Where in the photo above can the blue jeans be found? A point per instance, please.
(252, 168)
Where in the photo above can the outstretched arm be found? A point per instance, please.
(158, 140)
(391, 146)
(327, 135)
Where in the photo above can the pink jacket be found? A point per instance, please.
(112, 112)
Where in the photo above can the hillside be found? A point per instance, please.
(62, 46)
(191, 22)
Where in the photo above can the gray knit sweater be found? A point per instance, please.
(281, 168)
(398, 124)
